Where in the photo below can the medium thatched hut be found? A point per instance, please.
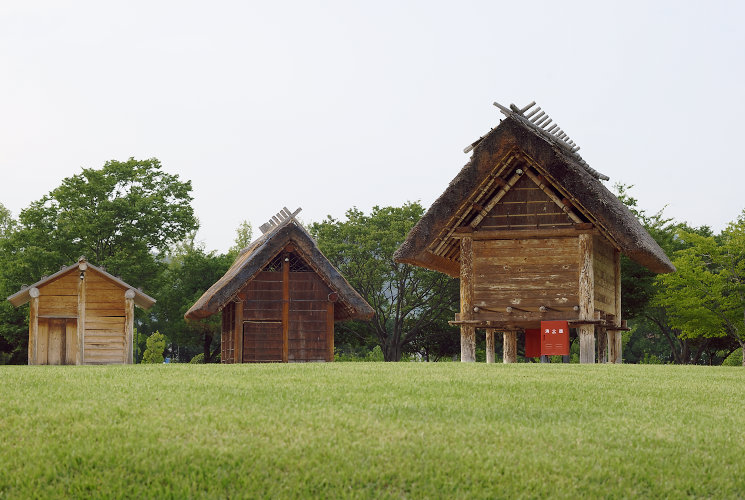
(280, 299)
(534, 236)
(80, 315)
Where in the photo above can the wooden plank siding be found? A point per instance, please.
(104, 336)
(525, 206)
(526, 273)
(605, 275)
(59, 298)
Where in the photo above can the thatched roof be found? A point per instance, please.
(257, 255)
(21, 297)
(516, 141)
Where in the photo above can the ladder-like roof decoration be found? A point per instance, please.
(282, 230)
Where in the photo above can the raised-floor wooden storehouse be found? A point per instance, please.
(80, 315)
(533, 235)
(280, 299)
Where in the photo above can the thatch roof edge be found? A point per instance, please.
(255, 257)
(613, 215)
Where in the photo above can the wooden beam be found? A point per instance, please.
(549, 192)
(80, 360)
(33, 327)
(330, 331)
(527, 234)
(519, 315)
(586, 299)
(509, 350)
(495, 199)
(489, 345)
(467, 332)
(238, 331)
(129, 318)
(285, 307)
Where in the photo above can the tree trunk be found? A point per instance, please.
(206, 347)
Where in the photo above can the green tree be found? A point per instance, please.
(408, 301)
(156, 344)
(653, 334)
(706, 296)
(121, 217)
(187, 277)
(243, 237)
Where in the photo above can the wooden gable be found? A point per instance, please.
(526, 206)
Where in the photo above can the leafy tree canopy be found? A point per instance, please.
(409, 301)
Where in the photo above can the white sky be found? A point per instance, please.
(329, 105)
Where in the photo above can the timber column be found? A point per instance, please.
(129, 315)
(80, 358)
(467, 332)
(489, 345)
(33, 327)
(509, 349)
(586, 300)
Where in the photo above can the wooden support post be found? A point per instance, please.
(238, 331)
(586, 299)
(615, 346)
(509, 349)
(33, 327)
(80, 359)
(467, 332)
(489, 345)
(602, 344)
(129, 318)
(330, 331)
(285, 307)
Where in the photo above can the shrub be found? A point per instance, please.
(156, 344)
(734, 359)
(198, 359)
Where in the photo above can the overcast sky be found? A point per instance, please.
(329, 105)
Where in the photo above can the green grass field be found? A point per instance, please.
(408, 430)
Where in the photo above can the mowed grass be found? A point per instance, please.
(372, 430)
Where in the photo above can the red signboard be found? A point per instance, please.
(532, 342)
(554, 338)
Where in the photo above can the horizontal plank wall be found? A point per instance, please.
(59, 298)
(526, 273)
(104, 335)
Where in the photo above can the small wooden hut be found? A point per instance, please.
(280, 299)
(534, 236)
(80, 315)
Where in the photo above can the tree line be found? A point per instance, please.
(136, 220)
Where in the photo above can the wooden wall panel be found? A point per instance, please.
(59, 297)
(104, 321)
(526, 273)
(525, 206)
(308, 328)
(604, 273)
(262, 341)
(227, 334)
(263, 297)
(43, 342)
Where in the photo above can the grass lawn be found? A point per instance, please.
(446, 430)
